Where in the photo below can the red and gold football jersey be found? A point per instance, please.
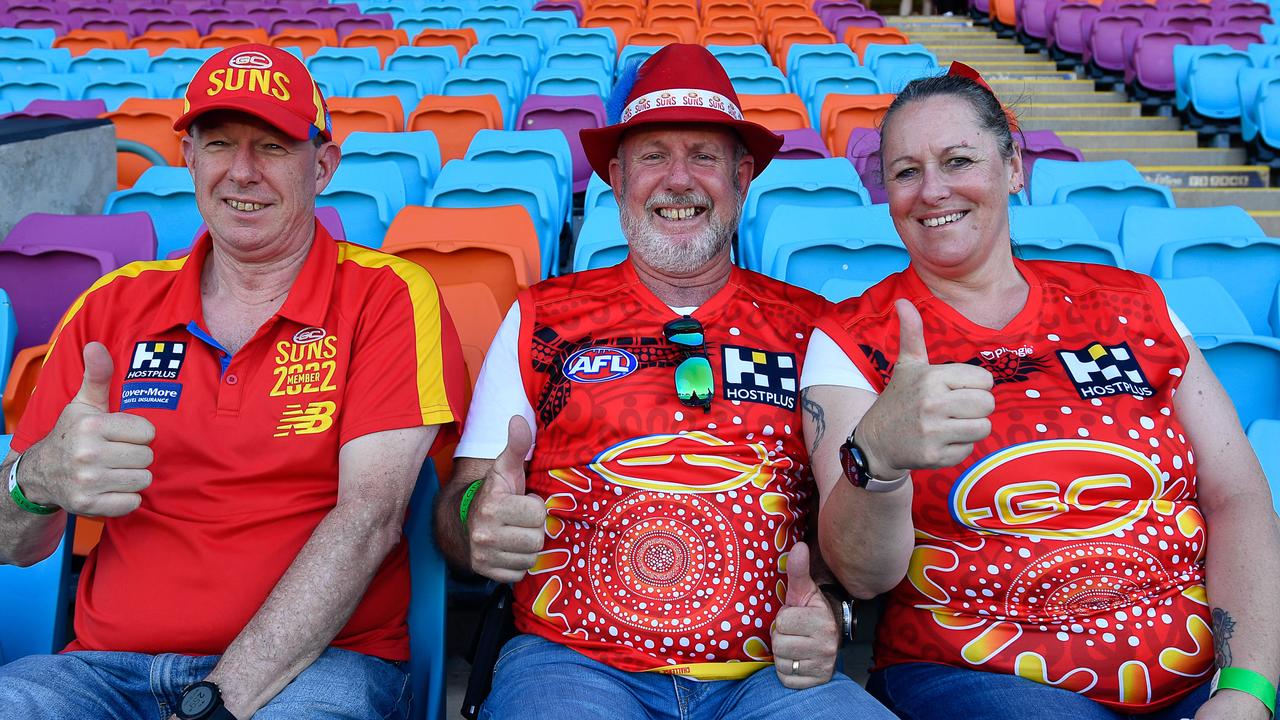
(668, 526)
(1068, 548)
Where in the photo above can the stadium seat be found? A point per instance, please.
(343, 66)
(475, 302)
(126, 237)
(550, 146)
(369, 114)
(1249, 267)
(568, 115)
(578, 58)
(102, 62)
(497, 246)
(431, 64)
(417, 154)
(1206, 80)
(43, 281)
(455, 120)
(829, 182)
(549, 25)
(839, 289)
(1204, 306)
(82, 41)
(1103, 190)
(758, 81)
(801, 144)
(1248, 366)
(155, 42)
(741, 56)
(308, 40)
(636, 54)
(428, 575)
(383, 40)
(598, 194)
(1264, 436)
(815, 89)
(600, 241)
(407, 87)
(507, 90)
(509, 63)
(23, 375)
(526, 42)
(484, 24)
(1059, 232)
(780, 111)
(860, 38)
(173, 213)
(8, 337)
(367, 196)
(20, 61)
(842, 113)
(1260, 106)
(808, 246)
(227, 38)
(38, 87)
(803, 57)
(460, 39)
(571, 82)
(41, 595)
(529, 183)
(1145, 230)
(602, 39)
(1150, 65)
(36, 38)
(888, 62)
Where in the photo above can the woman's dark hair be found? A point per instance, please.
(988, 110)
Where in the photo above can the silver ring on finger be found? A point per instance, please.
(795, 667)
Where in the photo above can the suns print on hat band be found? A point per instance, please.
(681, 97)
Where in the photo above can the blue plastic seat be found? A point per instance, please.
(1270, 32)
(802, 58)
(1204, 306)
(42, 86)
(40, 38)
(578, 58)
(839, 289)
(598, 195)
(549, 24)
(828, 182)
(1264, 436)
(1206, 79)
(601, 39)
(571, 82)
(5, 105)
(1260, 105)
(165, 177)
(510, 63)
(431, 64)
(474, 81)
(31, 60)
(549, 146)
(8, 335)
(1059, 232)
(813, 87)
(741, 56)
(406, 86)
(367, 196)
(1144, 230)
(414, 23)
(343, 66)
(485, 24)
(175, 67)
(888, 61)
(807, 246)
(115, 90)
(1248, 366)
(530, 183)
(427, 611)
(173, 212)
(100, 61)
(600, 241)
(634, 54)
(526, 42)
(1249, 267)
(416, 153)
(1103, 190)
(1264, 55)
(758, 81)
(450, 13)
(509, 12)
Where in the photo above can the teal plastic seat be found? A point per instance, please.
(173, 212)
(22, 61)
(416, 153)
(804, 57)
(405, 86)
(549, 24)
(814, 86)
(1102, 190)
(8, 335)
(431, 64)
(826, 182)
(342, 67)
(100, 62)
(527, 42)
(758, 81)
(428, 607)
(41, 86)
(1144, 230)
(741, 56)
(115, 90)
(634, 54)
(1264, 436)
(1059, 232)
(549, 146)
(38, 38)
(1248, 267)
(165, 177)
(571, 82)
(597, 195)
(485, 24)
(1204, 306)
(367, 197)
(887, 61)
(1248, 366)
(600, 241)
(578, 58)
(601, 39)
(1205, 77)
(839, 289)
(475, 81)
(808, 246)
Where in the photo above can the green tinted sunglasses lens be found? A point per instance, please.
(688, 339)
(694, 383)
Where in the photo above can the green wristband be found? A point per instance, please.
(467, 497)
(1246, 681)
(21, 500)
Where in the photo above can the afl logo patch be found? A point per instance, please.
(309, 335)
(599, 364)
(251, 59)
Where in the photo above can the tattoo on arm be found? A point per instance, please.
(815, 411)
(1223, 628)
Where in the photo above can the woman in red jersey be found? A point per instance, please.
(1050, 450)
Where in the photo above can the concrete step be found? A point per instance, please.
(1161, 140)
(1103, 109)
(999, 67)
(946, 55)
(1252, 199)
(1069, 124)
(1067, 83)
(1181, 156)
(1269, 220)
(1022, 98)
(1026, 75)
(960, 40)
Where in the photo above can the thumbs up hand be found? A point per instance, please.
(804, 635)
(929, 415)
(94, 462)
(506, 527)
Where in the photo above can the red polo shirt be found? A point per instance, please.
(246, 448)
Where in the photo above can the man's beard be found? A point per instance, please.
(666, 255)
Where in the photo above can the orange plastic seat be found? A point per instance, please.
(858, 38)
(495, 246)
(233, 36)
(673, 6)
(650, 36)
(727, 37)
(365, 114)
(621, 25)
(781, 41)
(730, 22)
(1003, 12)
(783, 111)
(157, 41)
(842, 113)
(687, 28)
(80, 42)
(23, 374)
(88, 533)
(385, 40)
(775, 16)
(150, 122)
(455, 119)
(306, 40)
(637, 6)
(473, 302)
(720, 7)
(461, 39)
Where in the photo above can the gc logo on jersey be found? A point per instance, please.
(1100, 370)
(760, 376)
(156, 360)
(599, 364)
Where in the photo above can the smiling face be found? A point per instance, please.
(948, 186)
(680, 190)
(255, 186)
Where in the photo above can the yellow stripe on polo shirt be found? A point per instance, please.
(132, 270)
(425, 300)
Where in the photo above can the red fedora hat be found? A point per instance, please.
(678, 84)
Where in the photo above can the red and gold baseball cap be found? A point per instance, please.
(264, 81)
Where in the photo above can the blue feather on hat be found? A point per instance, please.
(617, 101)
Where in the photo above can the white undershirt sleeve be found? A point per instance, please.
(499, 394)
(826, 364)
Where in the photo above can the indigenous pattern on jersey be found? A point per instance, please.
(668, 527)
(1068, 548)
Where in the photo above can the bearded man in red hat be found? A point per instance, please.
(250, 421)
(653, 532)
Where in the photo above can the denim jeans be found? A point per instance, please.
(536, 679)
(929, 691)
(134, 686)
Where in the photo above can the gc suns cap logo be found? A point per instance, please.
(599, 364)
(250, 59)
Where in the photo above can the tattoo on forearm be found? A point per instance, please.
(814, 411)
(1223, 628)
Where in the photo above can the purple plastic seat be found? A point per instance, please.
(1106, 46)
(232, 21)
(802, 144)
(863, 150)
(175, 23)
(377, 21)
(126, 26)
(572, 6)
(1238, 39)
(1035, 17)
(296, 23)
(75, 109)
(127, 237)
(1185, 23)
(1241, 22)
(42, 282)
(852, 18)
(1152, 58)
(568, 114)
(1044, 144)
(59, 26)
(1067, 35)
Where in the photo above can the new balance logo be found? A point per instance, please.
(314, 418)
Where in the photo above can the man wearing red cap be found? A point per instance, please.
(654, 537)
(250, 421)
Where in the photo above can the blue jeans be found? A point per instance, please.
(536, 679)
(134, 686)
(929, 691)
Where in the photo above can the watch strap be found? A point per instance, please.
(21, 500)
(1246, 681)
(866, 479)
(846, 618)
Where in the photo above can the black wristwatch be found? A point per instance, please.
(203, 701)
(857, 469)
(848, 621)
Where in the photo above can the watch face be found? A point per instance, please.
(195, 701)
(854, 465)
